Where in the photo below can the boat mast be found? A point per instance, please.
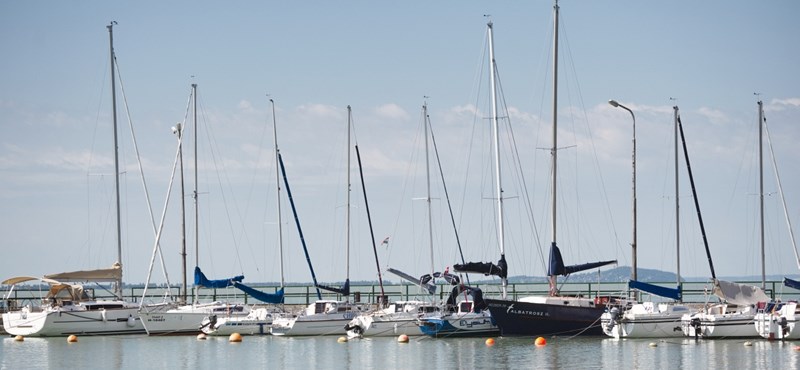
(554, 149)
(761, 187)
(347, 209)
(278, 184)
(195, 194)
(428, 179)
(118, 288)
(496, 135)
(179, 132)
(677, 205)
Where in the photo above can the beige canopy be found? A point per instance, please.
(111, 274)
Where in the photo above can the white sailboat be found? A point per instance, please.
(650, 319)
(67, 308)
(734, 315)
(779, 320)
(402, 317)
(258, 320)
(326, 316)
(471, 317)
(172, 318)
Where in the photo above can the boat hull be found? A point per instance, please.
(459, 325)
(780, 324)
(308, 325)
(527, 318)
(53, 322)
(184, 320)
(734, 325)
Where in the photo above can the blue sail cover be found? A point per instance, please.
(274, 298)
(344, 290)
(657, 290)
(557, 267)
(200, 279)
(791, 283)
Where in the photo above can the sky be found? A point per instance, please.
(713, 60)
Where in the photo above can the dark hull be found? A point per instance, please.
(515, 318)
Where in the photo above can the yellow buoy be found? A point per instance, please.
(653, 344)
(19, 338)
(235, 338)
(72, 338)
(201, 336)
(342, 339)
(490, 342)
(540, 341)
(402, 338)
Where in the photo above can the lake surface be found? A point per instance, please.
(137, 352)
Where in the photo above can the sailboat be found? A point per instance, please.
(186, 319)
(258, 320)
(402, 317)
(553, 314)
(471, 317)
(780, 320)
(648, 319)
(67, 308)
(325, 316)
(734, 315)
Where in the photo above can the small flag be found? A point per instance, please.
(385, 241)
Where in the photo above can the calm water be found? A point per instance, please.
(136, 352)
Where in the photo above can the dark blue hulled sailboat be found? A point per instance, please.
(552, 314)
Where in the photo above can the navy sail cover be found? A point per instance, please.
(486, 268)
(557, 266)
(274, 298)
(656, 289)
(200, 279)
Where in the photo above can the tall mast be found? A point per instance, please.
(428, 179)
(118, 288)
(496, 135)
(179, 132)
(347, 209)
(278, 184)
(194, 194)
(554, 149)
(677, 203)
(761, 187)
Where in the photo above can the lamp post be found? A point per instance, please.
(615, 104)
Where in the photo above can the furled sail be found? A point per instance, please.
(101, 275)
(274, 298)
(487, 268)
(200, 279)
(656, 289)
(791, 283)
(344, 290)
(448, 277)
(557, 266)
(431, 288)
(740, 294)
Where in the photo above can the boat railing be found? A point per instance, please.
(368, 293)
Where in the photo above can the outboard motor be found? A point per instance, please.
(614, 313)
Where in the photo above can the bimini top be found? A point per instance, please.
(112, 274)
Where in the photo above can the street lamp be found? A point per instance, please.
(615, 104)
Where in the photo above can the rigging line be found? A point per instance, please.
(518, 160)
(217, 165)
(591, 139)
(780, 190)
(157, 246)
(141, 169)
(447, 196)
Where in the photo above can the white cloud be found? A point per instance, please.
(782, 104)
(391, 111)
(714, 116)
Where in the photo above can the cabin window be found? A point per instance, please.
(465, 307)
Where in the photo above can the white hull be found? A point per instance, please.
(645, 320)
(323, 317)
(401, 317)
(780, 324)
(459, 324)
(714, 324)
(76, 319)
(257, 322)
(184, 320)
